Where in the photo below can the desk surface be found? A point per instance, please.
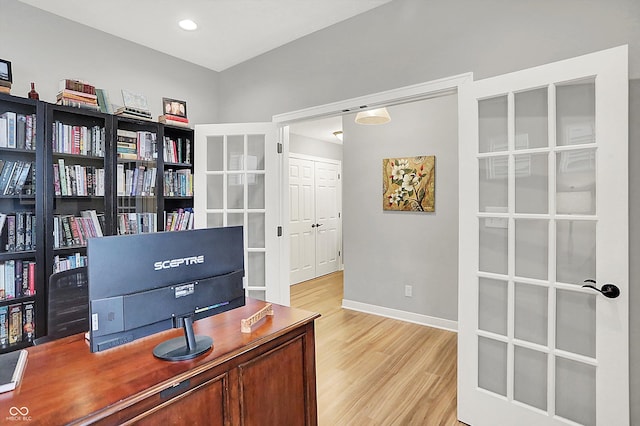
(64, 381)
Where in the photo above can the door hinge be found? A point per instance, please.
(338, 176)
(279, 147)
(279, 231)
(339, 215)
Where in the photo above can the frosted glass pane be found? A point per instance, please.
(255, 152)
(235, 152)
(492, 122)
(255, 187)
(235, 219)
(492, 365)
(215, 192)
(235, 191)
(530, 377)
(531, 313)
(576, 322)
(255, 270)
(493, 184)
(531, 111)
(255, 231)
(576, 251)
(532, 188)
(576, 391)
(532, 248)
(215, 153)
(493, 245)
(576, 181)
(492, 309)
(258, 294)
(575, 113)
(215, 220)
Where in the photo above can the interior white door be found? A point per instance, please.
(302, 219)
(327, 181)
(237, 182)
(543, 207)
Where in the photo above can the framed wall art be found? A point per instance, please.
(408, 184)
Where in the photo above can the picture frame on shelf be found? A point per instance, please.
(5, 71)
(174, 107)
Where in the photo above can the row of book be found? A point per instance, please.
(137, 223)
(18, 231)
(70, 230)
(17, 323)
(139, 181)
(80, 140)
(16, 177)
(17, 279)
(72, 261)
(178, 183)
(77, 180)
(177, 150)
(17, 130)
(179, 220)
(141, 145)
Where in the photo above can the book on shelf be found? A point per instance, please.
(64, 263)
(70, 230)
(12, 366)
(179, 220)
(80, 140)
(15, 323)
(174, 120)
(4, 322)
(77, 85)
(104, 101)
(8, 140)
(28, 321)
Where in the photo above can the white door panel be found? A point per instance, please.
(236, 182)
(543, 207)
(301, 219)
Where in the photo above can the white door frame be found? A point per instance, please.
(416, 92)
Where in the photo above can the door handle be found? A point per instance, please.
(608, 290)
(316, 225)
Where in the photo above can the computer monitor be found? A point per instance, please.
(146, 283)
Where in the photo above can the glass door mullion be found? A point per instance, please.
(551, 310)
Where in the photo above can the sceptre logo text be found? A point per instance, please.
(175, 263)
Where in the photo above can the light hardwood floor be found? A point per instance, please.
(373, 370)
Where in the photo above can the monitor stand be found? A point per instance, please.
(185, 347)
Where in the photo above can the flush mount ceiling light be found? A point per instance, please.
(338, 134)
(188, 24)
(373, 116)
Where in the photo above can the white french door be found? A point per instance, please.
(237, 182)
(314, 218)
(543, 207)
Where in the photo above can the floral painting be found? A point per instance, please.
(408, 184)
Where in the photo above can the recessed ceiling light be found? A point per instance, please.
(188, 24)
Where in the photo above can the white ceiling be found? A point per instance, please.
(321, 129)
(229, 31)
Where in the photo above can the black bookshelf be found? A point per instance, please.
(22, 295)
(65, 140)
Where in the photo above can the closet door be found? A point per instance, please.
(302, 235)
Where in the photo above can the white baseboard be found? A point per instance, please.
(401, 315)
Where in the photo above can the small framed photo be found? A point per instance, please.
(174, 107)
(5, 71)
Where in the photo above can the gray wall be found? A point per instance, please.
(44, 48)
(386, 250)
(309, 146)
(412, 41)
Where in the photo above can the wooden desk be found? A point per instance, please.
(266, 377)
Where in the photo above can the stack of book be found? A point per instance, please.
(17, 130)
(173, 120)
(15, 176)
(21, 231)
(77, 93)
(17, 323)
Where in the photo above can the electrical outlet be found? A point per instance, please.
(408, 291)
